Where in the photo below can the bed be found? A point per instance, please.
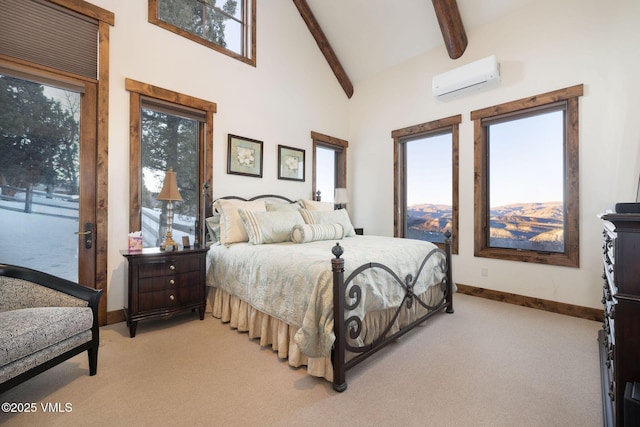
(295, 276)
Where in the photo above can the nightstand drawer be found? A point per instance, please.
(152, 301)
(161, 267)
(158, 283)
(168, 299)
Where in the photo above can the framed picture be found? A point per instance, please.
(244, 156)
(290, 163)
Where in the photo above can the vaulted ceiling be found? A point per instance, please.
(367, 37)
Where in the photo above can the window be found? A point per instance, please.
(526, 179)
(66, 47)
(169, 130)
(426, 184)
(228, 26)
(329, 165)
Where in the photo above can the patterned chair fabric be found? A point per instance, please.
(44, 320)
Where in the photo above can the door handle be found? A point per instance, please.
(88, 235)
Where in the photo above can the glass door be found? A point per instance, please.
(47, 174)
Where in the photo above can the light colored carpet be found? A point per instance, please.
(488, 364)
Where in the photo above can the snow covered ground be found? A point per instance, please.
(45, 239)
(41, 242)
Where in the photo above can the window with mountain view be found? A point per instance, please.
(227, 26)
(526, 174)
(427, 180)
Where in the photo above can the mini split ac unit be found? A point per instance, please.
(473, 76)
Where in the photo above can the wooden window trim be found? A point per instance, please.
(249, 37)
(88, 9)
(137, 91)
(571, 256)
(424, 129)
(337, 144)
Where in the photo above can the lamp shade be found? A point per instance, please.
(340, 196)
(170, 187)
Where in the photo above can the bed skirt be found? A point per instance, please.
(279, 335)
(268, 330)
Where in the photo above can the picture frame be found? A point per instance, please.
(244, 156)
(291, 163)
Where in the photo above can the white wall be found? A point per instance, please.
(546, 46)
(291, 92)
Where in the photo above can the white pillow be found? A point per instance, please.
(270, 227)
(232, 229)
(312, 232)
(339, 216)
(312, 205)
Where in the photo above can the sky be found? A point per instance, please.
(526, 163)
(325, 173)
(527, 160)
(429, 170)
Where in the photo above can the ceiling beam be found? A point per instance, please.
(324, 46)
(455, 38)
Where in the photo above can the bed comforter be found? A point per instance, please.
(294, 283)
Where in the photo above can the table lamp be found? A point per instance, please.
(340, 198)
(170, 194)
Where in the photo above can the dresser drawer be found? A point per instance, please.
(620, 337)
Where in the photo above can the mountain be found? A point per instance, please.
(428, 222)
(530, 226)
(429, 217)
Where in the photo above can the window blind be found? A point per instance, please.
(173, 109)
(44, 33)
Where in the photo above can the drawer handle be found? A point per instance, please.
(172, 267)
(171, 297)
(172, 282)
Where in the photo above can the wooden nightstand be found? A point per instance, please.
(163, 283)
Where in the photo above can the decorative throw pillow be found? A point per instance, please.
(277, 206)
(313, 232)
(213, 227)
(270, 227)
(232, 229)
(339, 216)
(312, 205)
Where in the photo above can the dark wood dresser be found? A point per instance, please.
(620, 337)
(163, 283)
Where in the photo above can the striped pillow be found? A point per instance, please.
(312, 232)
(339, 216)
(231, 228)
(269, 227)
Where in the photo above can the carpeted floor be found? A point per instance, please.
(488, 364)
